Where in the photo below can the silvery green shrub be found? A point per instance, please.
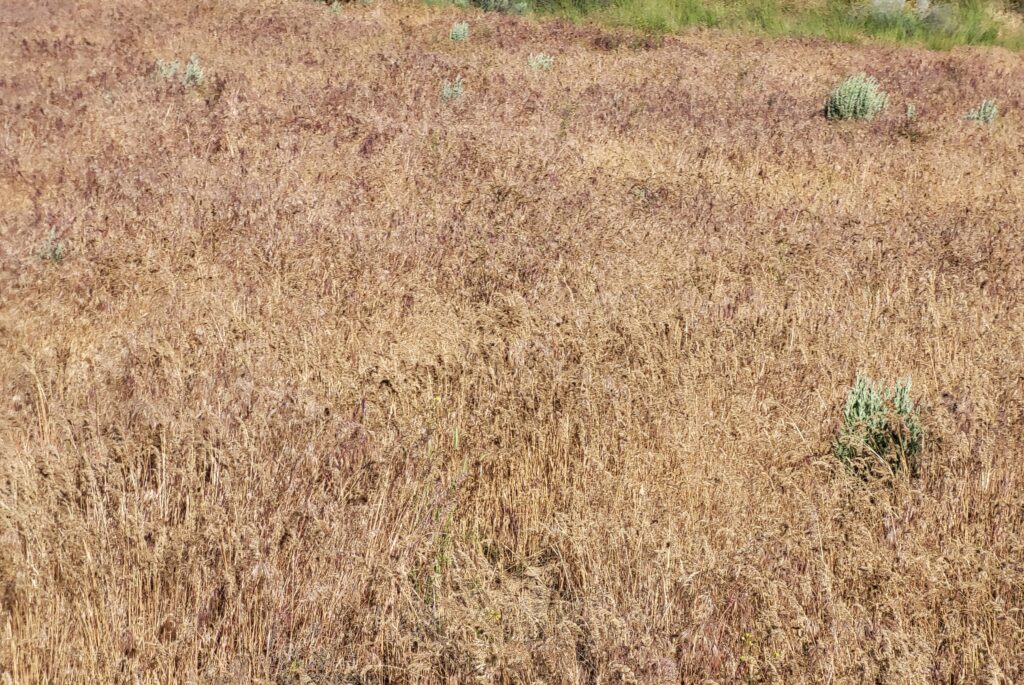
(540, 61)
(881, 429)
(452, 90)
(193, 75)
(985, 113)
(52, 249)
(167, 69)
(459, 32)
(858, 97)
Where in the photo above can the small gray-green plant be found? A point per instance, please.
(193, 76)
(911, 111)
(858, 97)
(540, 61)
(459, 32)
(452, 90)
(335, 7)
(167, 69)
(52, 249)
(985, 113)
(881, 430)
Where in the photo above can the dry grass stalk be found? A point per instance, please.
(342, 384)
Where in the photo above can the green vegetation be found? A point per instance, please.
(939, 25)
(452, 90)
(505, 6)
(53, 249)
(459, 31)
(167, 69)
(540, 61)
(858, 97)
(881, 432)
(193, 76)
(985, 113)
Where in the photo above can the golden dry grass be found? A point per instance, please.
(342, 384)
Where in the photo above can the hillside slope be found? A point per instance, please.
(308, 375)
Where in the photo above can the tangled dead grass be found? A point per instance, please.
(338, 383)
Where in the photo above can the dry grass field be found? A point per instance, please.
(338, 382)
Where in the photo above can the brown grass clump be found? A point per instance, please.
(339, 383)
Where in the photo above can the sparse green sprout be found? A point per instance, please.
(881, 431)
(985, 113)
(335, 7)
(193, 76)
(52, 249)
(858, 97)
(911, 111)
(540, 61)
(452, 90)
(167, 69)
(459, 32)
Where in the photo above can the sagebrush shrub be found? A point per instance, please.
(858, 97)
(459, 32)
(452, 90)
(167, 69)
(540, 61)
(985, 113)
(52, 249)
(881, 430)
(193, 76)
